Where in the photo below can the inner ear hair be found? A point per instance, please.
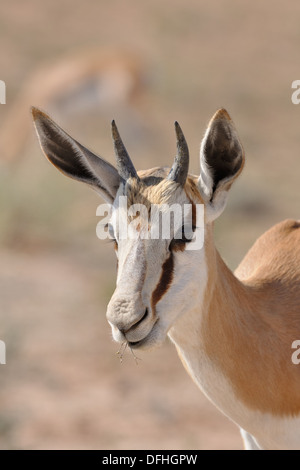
(222, 154)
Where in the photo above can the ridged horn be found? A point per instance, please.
(124, 164)
(180, 168)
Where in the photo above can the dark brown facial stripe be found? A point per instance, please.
(177, 245)
(165, 281)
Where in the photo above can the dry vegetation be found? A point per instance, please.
(63, 386)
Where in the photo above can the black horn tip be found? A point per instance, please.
(178, 130)
(124, 164)
(114, 130)
(180, 166)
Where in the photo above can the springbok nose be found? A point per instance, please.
(125, 311)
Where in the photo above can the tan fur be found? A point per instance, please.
(250, 319)
(145, 192)
(250, 324)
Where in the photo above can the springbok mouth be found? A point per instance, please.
(135, 344)
(141, 342)
(145, 340)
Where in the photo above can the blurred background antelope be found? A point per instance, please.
(145, 65)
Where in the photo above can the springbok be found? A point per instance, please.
(233, 332)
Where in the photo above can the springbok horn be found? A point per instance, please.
(180, 168)
(124, 164)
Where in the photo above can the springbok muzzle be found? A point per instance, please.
(129, 317)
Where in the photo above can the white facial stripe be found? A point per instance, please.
(132, 265)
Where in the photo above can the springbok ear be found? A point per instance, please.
(221, 161)
(73, 159)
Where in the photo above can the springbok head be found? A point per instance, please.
(159, 278)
